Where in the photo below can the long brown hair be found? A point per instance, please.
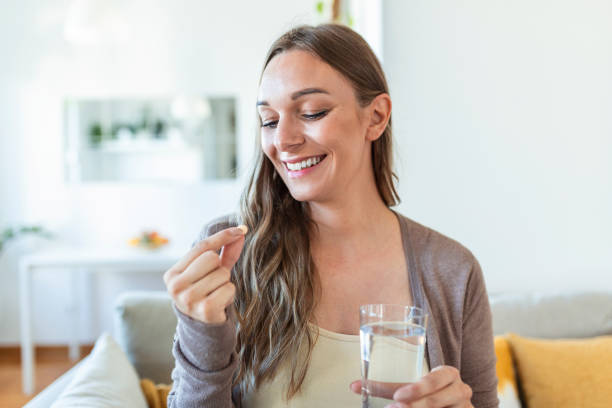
(276, 287)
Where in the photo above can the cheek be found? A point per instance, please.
(269, 150)
(338, 135)
(267, 146)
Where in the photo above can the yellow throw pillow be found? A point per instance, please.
(155, 394)
(507, 391)
(564, 373)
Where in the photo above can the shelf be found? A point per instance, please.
(141, 146)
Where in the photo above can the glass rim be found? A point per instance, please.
(394, 305)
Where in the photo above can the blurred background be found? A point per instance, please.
(123, 118)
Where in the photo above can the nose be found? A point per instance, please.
(287, 136)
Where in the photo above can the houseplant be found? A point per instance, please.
(14, 232)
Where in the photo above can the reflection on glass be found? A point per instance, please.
(185, 138)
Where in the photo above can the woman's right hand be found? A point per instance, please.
(199, 283)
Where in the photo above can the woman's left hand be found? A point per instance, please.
(442, 387)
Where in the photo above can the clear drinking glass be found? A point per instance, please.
(392, 341)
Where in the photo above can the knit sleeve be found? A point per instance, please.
(477, 350)
(205, 356)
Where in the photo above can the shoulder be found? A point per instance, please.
(215, 225)
(432, 243)
(441, 260)
(452, 284)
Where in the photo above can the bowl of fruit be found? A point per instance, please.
(148, 240)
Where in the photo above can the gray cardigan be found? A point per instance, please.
(445, 279)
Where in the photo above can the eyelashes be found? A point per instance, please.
(272, 124)
(316, 115)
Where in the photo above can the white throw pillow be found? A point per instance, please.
(106, 379)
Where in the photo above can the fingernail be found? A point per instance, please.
(239, 230)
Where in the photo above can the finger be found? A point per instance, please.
(435, 380)
(200, 267)
(377, 388)
(454, 395)
(213, 243)
(204, 287)
(214, 304)
(231, 252)
(383, 389)
(216, 241)
(355, 386)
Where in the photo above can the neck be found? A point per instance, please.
(354, 218)
(356, 214)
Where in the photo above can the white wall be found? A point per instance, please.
(503, 115)
(211, 47)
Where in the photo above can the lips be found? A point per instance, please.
(298, 169)
(299, 159)
(300, 164)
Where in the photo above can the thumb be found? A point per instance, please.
(355, 386)
(231, 252)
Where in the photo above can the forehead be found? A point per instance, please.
(294, 70)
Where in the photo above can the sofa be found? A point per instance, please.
(144, 327)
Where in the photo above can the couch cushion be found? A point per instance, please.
(553, 315)
(51, 393)
(144, 326)
(564, 373)
(507, 389)
(155, 394)
(145, 322)
(106, 379)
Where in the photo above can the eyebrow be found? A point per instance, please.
(298, 94)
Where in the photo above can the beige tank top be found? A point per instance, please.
(335, 363)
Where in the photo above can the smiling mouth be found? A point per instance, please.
(304, 164)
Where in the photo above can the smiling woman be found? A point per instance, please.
(309, 110)
(273, 320)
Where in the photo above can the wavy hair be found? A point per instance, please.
(277, 289)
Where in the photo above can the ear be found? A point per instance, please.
(379, 112)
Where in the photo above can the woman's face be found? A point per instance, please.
(313, 129)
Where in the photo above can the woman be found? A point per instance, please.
(269, 317)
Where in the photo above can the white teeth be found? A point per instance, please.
(303, 164)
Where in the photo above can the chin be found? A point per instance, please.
(302, 194)
(303, 191)
(307, 195)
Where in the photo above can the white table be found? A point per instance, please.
(78, 260)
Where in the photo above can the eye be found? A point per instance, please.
(271, 124)
(315, 115)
